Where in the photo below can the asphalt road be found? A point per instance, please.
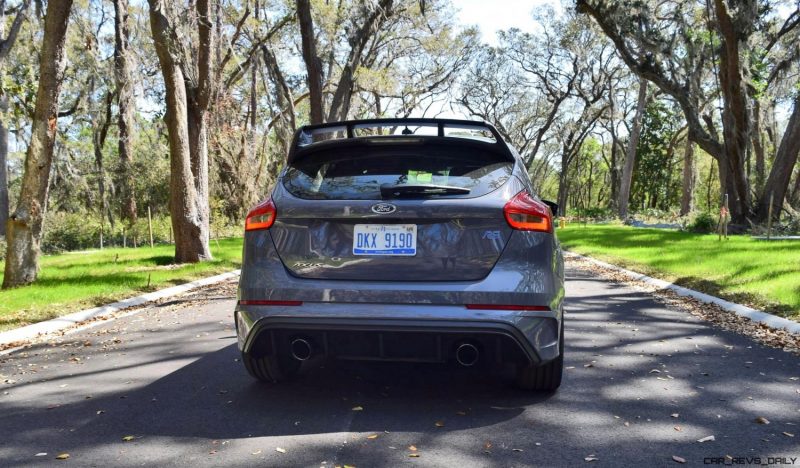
(643, 384)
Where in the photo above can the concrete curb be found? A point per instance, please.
(772, 321)
(40, 329)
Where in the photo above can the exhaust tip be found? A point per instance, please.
(301, 349)
(467, 354)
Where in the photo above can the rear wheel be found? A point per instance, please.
(545, 377)
(271, 368)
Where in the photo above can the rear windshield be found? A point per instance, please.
(353, 174)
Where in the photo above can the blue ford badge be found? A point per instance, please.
(384, 208)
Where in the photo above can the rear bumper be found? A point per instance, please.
(400, 332)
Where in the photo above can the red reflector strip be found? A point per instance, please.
(505, 307)
(272, 303)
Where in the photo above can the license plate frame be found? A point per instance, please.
(385, 240)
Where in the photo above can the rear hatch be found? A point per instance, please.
(394, 210)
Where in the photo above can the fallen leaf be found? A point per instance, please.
(678, 459)
(788, 434)
(128, 438)
(706, 439)
(762, 420)
(280, 450)
(62, 456)
(372, 436)
(487, 445)
(413, 455)
(358, 408)
(439, 423)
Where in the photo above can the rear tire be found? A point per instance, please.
(546, 377)
(271, 368)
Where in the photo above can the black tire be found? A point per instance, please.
(545, 377)
(271, 368)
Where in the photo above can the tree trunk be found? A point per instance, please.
(613, 173)
(736, 114)
(24, 228)
(758, 147)
(99, 134)
(3, 162)
(340, 104)
(796, 192)
(187, 128)
(630, 157)
(311, 59)
(125, 100)
(5, 48)
(781, 173)
(563, 192)
(687, 191)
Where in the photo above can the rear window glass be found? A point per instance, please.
(343, 176)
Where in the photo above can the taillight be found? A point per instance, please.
(261, 217)
(526, 213)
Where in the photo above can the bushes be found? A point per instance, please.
(79, 231)
(702, 222)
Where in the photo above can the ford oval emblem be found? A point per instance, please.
(383, 208)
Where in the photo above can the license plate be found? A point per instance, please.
(385, 239)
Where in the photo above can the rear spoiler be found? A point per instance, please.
(310, 137)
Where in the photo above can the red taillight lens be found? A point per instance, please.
(505, 307)
(261, 217)
(526, 213)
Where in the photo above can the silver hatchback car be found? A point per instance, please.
(417, 240)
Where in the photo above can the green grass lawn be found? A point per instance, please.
(73, 281)
(761, 274)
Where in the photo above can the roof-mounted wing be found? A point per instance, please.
(393, 131)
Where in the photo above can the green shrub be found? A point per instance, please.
(702, 222)
(80, 231)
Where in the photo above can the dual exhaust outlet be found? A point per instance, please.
(467, 354)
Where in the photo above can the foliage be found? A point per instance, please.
(656, 176)
(702, 222)
(593, 213)
(79, 231)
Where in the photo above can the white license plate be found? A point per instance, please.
(385, 239)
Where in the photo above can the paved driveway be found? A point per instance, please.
(643, 384)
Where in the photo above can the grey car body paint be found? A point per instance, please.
(305, 256)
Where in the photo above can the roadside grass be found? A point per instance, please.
(761, 274)
(73, 281)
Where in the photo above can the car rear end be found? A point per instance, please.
(402, 241)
